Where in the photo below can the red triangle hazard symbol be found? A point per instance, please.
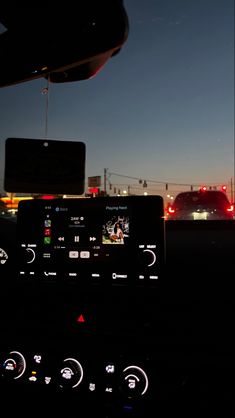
(80, 318)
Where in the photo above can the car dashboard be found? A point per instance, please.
(108, 309)
(142, 328)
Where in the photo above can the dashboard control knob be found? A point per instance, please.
(29, 255)
(134, 381)
(149, 257)
(71, 373)
(13, 367)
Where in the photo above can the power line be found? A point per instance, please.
(166, 182)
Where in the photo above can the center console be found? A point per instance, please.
(86, 241)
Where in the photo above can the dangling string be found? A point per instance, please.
(45, 91)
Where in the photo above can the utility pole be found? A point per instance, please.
(105, 181)
(231, 185)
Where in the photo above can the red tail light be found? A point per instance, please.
(171, 210)
(230, 208)
(47, 197)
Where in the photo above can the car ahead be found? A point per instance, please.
(201, 205)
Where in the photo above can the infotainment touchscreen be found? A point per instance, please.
(92, 240)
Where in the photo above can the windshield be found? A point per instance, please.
(159, 116)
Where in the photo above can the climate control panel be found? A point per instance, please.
(70, 373)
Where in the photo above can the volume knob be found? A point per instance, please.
(29, 255)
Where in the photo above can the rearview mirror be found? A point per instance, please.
(64, 43)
